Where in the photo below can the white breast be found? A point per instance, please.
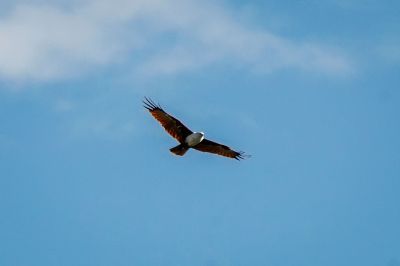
(194, 139)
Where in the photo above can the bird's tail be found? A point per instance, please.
(180, 149)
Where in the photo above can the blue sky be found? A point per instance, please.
(309, 88)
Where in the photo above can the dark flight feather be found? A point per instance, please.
(213, 147)
(172, 125)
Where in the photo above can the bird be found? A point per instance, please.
(188, 139)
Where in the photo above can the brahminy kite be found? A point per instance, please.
(186, 138)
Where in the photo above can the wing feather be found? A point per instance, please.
(216, 148)
(172, 125)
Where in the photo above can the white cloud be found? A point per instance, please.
(44, 42)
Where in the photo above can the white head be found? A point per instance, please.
(195, 138)
(199, 135)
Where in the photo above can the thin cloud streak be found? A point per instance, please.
(49, 42)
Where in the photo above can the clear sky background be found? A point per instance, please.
(309, 88)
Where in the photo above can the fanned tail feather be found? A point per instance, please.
(179, 150)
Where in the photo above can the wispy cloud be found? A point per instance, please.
(44, 42)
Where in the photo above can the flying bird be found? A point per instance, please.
(188, 139)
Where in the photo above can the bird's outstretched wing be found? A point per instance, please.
(172, 125)
(213, 147)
